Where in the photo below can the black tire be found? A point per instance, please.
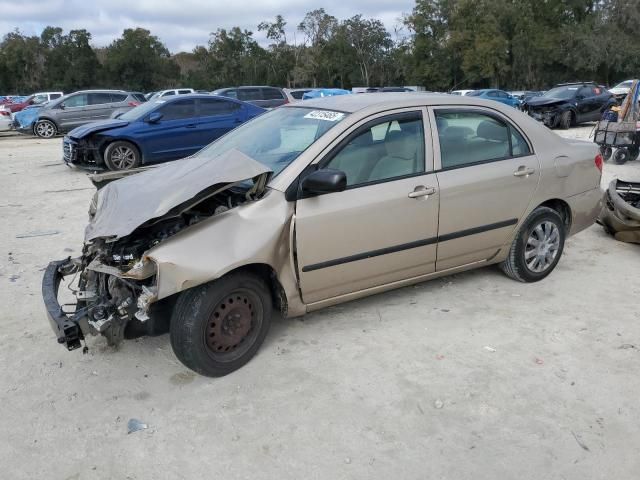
(236, 308)
(121, 155)
(606, 153)
(621, 156)
(45, 129)
(515, 266)
(633, 153)
(566, 119)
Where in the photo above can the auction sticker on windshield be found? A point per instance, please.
(327, 115)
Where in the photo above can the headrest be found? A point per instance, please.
(401, 144)
(492, 131)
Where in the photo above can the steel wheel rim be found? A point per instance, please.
(542, 246)
(123, 157)
(233, 324)
(45, 129)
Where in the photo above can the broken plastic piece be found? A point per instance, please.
(135, 425)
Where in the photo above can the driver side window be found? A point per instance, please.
(387, 148)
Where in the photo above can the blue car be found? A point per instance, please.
(156, 131)
(497, 95)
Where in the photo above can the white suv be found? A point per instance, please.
(173, 91)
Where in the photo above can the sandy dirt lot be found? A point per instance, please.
(470, 376)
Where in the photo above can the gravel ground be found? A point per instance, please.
(470, 376)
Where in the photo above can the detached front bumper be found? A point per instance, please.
(65, 326)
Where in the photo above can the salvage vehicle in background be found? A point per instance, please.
(35, 99)
(79, 108)
(278, 215)
(496, 95)
(570, 104)
(461, 92)
(621, 90)
(5, 119)
(156, 131)
(295, 94)
(170, 92)
(265, 97)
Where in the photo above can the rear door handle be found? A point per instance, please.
(422, 192)
(191, 125)
(523, 171)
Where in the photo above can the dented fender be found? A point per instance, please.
(254, 233)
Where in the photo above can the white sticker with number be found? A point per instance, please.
(325, 115)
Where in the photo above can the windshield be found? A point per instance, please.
(141, 110)
(278, 137)
(562, 93)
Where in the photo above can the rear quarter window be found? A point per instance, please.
(118, 97)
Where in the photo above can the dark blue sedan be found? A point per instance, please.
(156, 131)
(497, 95)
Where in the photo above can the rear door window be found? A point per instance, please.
(473, 137)
(180, 109)
(99, 98)
(79, 100)
(247, 94)
(212, 106)
(118, 97)
(184, 92)
(272, 94)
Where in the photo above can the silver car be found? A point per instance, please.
(66, 113)
(317, 203)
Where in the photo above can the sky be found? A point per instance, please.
(180, 24)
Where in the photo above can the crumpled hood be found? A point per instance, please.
(542, 101)
(125, 204)
(99, 126)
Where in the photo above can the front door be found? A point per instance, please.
(383, 227)
(174, 136)
(487, 174)
(72, 112)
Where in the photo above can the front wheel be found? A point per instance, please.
(218, 327)
(537, 248)
(45, 129)
(565, 120)
(121, 156)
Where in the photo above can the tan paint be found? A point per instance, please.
(368, 218)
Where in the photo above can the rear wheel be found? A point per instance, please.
(218, 327)
(606, 153)
(45, 129)
(621, 156)
(537, 248)
(121, 156)
(633, 153)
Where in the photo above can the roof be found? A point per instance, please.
(360, 101)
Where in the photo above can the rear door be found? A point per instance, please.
(99, 107)
(488, 174)
(174, 136)
(217, 116)
(383, 227)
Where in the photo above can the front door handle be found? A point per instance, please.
(422, 192)
(523, 171)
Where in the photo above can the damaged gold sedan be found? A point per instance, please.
(318, 203)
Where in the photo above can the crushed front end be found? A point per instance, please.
(547, 114)
(83, 152)
(113, 286)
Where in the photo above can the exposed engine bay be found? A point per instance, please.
(620, 216)
(116, 283)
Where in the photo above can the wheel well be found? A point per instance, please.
(562, 208)
(47, 119)
(269, 275)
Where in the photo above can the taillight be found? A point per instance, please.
(6, 113)
(134, 104)
(599, 162)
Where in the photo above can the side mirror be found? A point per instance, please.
(327, 180)
(154, 117)
(61, 106)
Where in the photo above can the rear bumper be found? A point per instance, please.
(65, 326)
(585, 209)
